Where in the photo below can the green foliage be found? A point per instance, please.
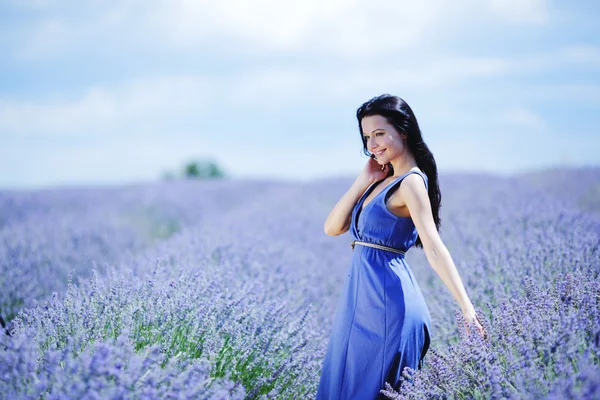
(196, 169)
(202, 169)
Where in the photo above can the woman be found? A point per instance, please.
(382, 322)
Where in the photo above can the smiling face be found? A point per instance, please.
(382, 139)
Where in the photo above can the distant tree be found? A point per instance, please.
(202, 169)
(196, 169)
(192, 170)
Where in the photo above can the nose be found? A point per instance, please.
(372, 145)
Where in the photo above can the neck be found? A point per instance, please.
(402, 165)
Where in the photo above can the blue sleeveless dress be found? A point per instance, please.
(382, 322)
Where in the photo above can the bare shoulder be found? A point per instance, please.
(412, 187)
(414, 183)
(413, 190)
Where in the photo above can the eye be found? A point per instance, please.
(379, 133)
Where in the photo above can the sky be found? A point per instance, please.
(113, 92)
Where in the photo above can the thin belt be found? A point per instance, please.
(377, 246)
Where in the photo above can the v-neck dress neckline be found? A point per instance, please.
(369, 190)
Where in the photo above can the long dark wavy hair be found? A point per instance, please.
(399, 114)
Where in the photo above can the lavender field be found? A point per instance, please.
(227, 289)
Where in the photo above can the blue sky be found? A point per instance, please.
(110, 92)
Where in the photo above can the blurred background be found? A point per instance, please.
(110, 92)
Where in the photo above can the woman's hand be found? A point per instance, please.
(474, 318)
(373, 171)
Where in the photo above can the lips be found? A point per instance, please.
(378, 153)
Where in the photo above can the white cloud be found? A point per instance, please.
(101, 109)
(354, 28)
(113, 109)
(116, 107)
(342, 27)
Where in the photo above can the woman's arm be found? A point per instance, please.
(338, 220)
(414, 194)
